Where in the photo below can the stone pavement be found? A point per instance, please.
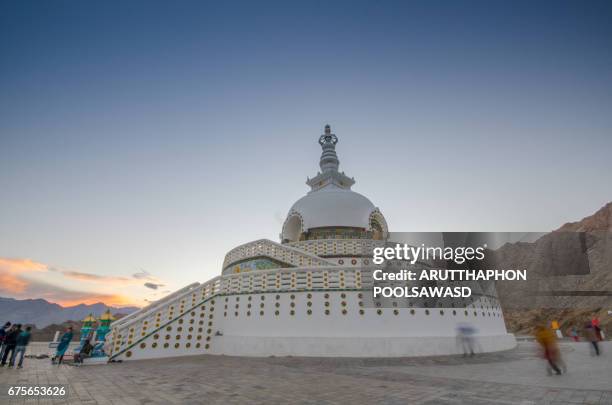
(513, 377)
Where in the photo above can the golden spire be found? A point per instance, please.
(89, 318)
(107, 316)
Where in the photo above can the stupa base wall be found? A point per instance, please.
(260, 346)
(316, 323)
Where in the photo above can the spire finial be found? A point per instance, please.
(329, 164)
(329, 160)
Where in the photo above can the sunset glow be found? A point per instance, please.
(25, 278)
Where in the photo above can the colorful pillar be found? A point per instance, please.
(87, 329)
(104, 328)
(101, 332)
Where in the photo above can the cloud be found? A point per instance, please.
(152, 286)
(21, 265)
(18, 279)
(142, 275)
(11, 270)
(63, 296)
(12, 283)
(112, 300)
(77, 275)
(152, 282)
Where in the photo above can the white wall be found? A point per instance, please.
(318, 334)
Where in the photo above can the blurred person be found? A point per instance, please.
(574, 334)
(548, 341)
(465, 336)
(63, 346)
(3, 331)
(23, 339)
(597, 327)
(85, 352)
(10, 340)
(590, 334)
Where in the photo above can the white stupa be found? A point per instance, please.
(305, 296)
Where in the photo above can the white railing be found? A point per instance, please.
(124, 335)
(135, 325)
(324, 278)
(284, 253)
(295, 279)
(338, 247)
(153, 306)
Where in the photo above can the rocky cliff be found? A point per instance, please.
(569, 276)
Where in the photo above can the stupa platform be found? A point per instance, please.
(513, 377)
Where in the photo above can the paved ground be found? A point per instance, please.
(514, 377)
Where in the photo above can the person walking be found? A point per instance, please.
(63, 345)
(10, 341)
(23, 339)
(465, 334)
(547, 339)
(597, 327)
(3, 331)
(590, 334)
(574, 334)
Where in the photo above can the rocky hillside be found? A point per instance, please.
(600, 221)
(569, 272)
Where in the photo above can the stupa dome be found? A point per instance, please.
(331, 203)
(333, 206)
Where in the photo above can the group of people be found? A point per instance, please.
(592, 334)
(14, 339)
(547, 339)
(13, 342)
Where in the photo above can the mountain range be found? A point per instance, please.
(42, 313)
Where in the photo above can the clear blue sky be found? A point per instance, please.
(156, 136)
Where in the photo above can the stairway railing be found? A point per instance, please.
(153, 306)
